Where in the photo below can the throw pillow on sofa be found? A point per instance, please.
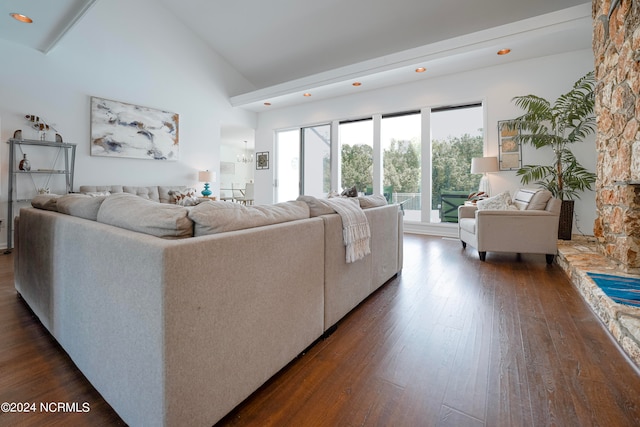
(532, 198)
(500, 202)
(187, 197)
(539, 200)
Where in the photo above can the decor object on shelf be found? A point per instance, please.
(245, 157)
(568, 120)
(125, 130)
(59, 138)
(39, 124)
(509, 149)
(206, 177)
(25, 164)
(262, 160)
(484, 165)
(17, 134)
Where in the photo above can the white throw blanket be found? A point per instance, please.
(355, 227)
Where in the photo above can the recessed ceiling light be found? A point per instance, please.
(267, 103)
(307, 94)
(22, 18)
(503, 51)
(356, 84)
(420, 70)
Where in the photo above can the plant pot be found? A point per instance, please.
(565, 225)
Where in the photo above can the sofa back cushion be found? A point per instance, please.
(317, 207)
(135, 213)
(159, 193)
(372, 201)
(80, 205)
(219, 217)
(48, 202)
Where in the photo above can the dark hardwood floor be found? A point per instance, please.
(451, 342)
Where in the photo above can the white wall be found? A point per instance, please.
(496, 86)
(134, 52)
(243, 171)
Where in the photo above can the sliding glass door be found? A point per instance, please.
(303, 162)
(316, 166)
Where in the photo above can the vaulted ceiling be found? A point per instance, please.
(287, 47)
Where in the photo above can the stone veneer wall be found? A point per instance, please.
(616, 47)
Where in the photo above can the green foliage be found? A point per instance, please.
(357, 166)
(568, 120)
(401, 164)
(451, 165)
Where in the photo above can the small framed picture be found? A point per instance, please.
(262, 160)
(510, 150)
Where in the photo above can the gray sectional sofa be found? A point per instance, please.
(179, 329)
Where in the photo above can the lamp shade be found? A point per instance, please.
(484, 164)
(207, 176)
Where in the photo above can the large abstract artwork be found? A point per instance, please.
(125, 130)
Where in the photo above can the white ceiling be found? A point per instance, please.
(51, 21)
(287, 47)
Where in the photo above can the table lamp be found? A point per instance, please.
(206, 177)
(484, 165)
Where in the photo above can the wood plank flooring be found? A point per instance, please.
(451, 341)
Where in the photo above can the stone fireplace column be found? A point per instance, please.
(616, 47)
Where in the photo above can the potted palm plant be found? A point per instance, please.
(559, 125)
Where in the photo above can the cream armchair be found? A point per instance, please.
(521, 231)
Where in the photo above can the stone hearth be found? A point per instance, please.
(580, 255)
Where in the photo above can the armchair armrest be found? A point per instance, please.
(466, 211)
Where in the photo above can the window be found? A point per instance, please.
(356, 154)
(430, 184)
(400, 142)
(456, 137)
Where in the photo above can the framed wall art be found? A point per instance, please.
(509, 148)
(119, 129)
(262, 160)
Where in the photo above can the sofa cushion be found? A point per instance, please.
(98, 193)
(468, 225)
(156, 193)
(218, 216)
(80, 205)
(135, 213)
(539, 200)
(47, 202)
(372, 201)
(186, 197)
(524, 196)
(317, 207)
(500, 202)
